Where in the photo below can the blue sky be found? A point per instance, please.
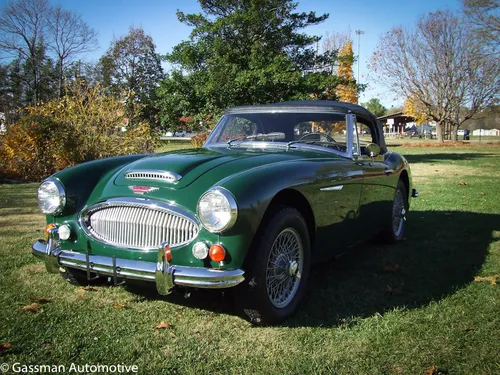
(112, 18)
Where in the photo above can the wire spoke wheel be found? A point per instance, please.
(398, 213)
(284, 268)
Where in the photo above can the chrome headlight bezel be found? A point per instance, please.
(58, 190)
(231, 208)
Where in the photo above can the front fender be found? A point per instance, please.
(79, 181)
(254, 190)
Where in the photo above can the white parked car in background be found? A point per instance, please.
(181, 133)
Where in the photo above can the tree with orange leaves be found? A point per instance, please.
(415, 108)
(347, 91)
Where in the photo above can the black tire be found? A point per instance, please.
(397, 225)
(79, 277)
(258, 297)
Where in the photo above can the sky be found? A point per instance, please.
(113, 18)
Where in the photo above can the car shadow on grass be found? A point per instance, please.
(442, 252)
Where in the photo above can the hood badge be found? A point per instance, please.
(156, 175)
(143, 189)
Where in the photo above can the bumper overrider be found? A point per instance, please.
(165, 275)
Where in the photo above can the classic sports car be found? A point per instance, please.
(275, 188)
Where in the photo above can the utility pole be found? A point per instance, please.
(358, 33)
(316, 56)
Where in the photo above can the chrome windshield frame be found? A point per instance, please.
(350, 128)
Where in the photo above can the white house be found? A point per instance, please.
(483, 132)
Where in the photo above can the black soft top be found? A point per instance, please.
(320, 105)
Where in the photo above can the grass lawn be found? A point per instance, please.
(428, 305)
(171, 145)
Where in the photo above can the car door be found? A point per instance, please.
(378, 188)
(337, 197)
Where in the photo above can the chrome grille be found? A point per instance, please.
(138, 224)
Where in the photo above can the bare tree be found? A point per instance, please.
(441, 65)
(22, 31)
(484, 15)
(70, 36)
(336, 40)
(332, 44)
(132, 66)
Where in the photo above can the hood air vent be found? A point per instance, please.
(166, 176)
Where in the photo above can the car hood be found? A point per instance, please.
(179, 169)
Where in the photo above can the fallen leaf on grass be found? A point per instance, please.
(491, 279)
(49, 345)
(34, 307)
(89, 289)
(41, 300)
(5, 346)
(462, 183)
(483, 193)
(118, 306)
(163, 325)
(434, 370)
(390, 267)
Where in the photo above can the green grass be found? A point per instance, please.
(356, 318)
(172, 145)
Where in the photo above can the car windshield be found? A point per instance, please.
(326, 129)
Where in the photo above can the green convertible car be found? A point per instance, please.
(275, 188)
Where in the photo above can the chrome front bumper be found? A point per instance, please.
(165, 275)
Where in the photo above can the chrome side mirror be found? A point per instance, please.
(372, 150)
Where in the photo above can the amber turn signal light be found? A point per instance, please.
(217, 253)
(168, 253)
(48, 228)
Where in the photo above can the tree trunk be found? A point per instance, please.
(439, 132)
(60, 81)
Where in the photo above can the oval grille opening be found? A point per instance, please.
(138, 226)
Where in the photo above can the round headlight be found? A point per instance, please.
(217, 210)
(51, 196)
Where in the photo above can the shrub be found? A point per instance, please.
(34, 148)
(199, 139)
(84, 125)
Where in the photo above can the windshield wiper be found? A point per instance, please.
(229, 143)
(304, 142)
